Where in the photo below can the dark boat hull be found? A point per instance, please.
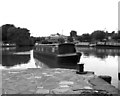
(67, 59)
(51, 61)
(57, 54)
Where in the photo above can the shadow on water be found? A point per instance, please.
(51, 63)
(99, 52)
(13, 59)
(9, 58)
(23, 49)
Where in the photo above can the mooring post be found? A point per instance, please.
(81, 67)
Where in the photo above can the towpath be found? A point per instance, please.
(53, 81)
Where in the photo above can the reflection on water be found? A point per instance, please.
(8, 50)
(101, 61)
(99, 52)
(9, 59)
(23, 49)
(108, 66)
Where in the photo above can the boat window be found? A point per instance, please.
(66, 48)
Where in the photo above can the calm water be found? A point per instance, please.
(101, 61)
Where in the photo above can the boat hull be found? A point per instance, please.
(60, 59)
(72, 58)
(51, 61)
(58, 54)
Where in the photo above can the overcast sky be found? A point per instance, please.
(45, 17)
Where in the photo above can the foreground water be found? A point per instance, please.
(101, 61)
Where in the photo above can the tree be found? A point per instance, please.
(24, 37)
(58, 34)
(12, 34)
(5, 30)
(70, 39)
(116, 37)
(19, 36)
(39, 39)
(73, 33)
(86, 37)
(44, 42)
(98, 35)
(79, 38)
(61, 40)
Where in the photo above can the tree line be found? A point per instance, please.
(17, 35)
(21, 36)
(97, 35)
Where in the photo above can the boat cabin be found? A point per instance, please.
(64, 48)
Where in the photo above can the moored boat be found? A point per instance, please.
(8, 45)
(60, 53)
(108, 44)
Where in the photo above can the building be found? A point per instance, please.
(54, 38)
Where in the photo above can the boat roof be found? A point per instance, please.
(56, 44)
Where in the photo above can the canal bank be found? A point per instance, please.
(53, 81)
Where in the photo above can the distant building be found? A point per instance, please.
(54, 38)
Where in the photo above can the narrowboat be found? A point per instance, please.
(7, 45)
(108, 44)
(60, 53)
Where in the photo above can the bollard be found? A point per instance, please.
(106, 78)
(81, 67)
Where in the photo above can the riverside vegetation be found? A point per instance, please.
(22, 37)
